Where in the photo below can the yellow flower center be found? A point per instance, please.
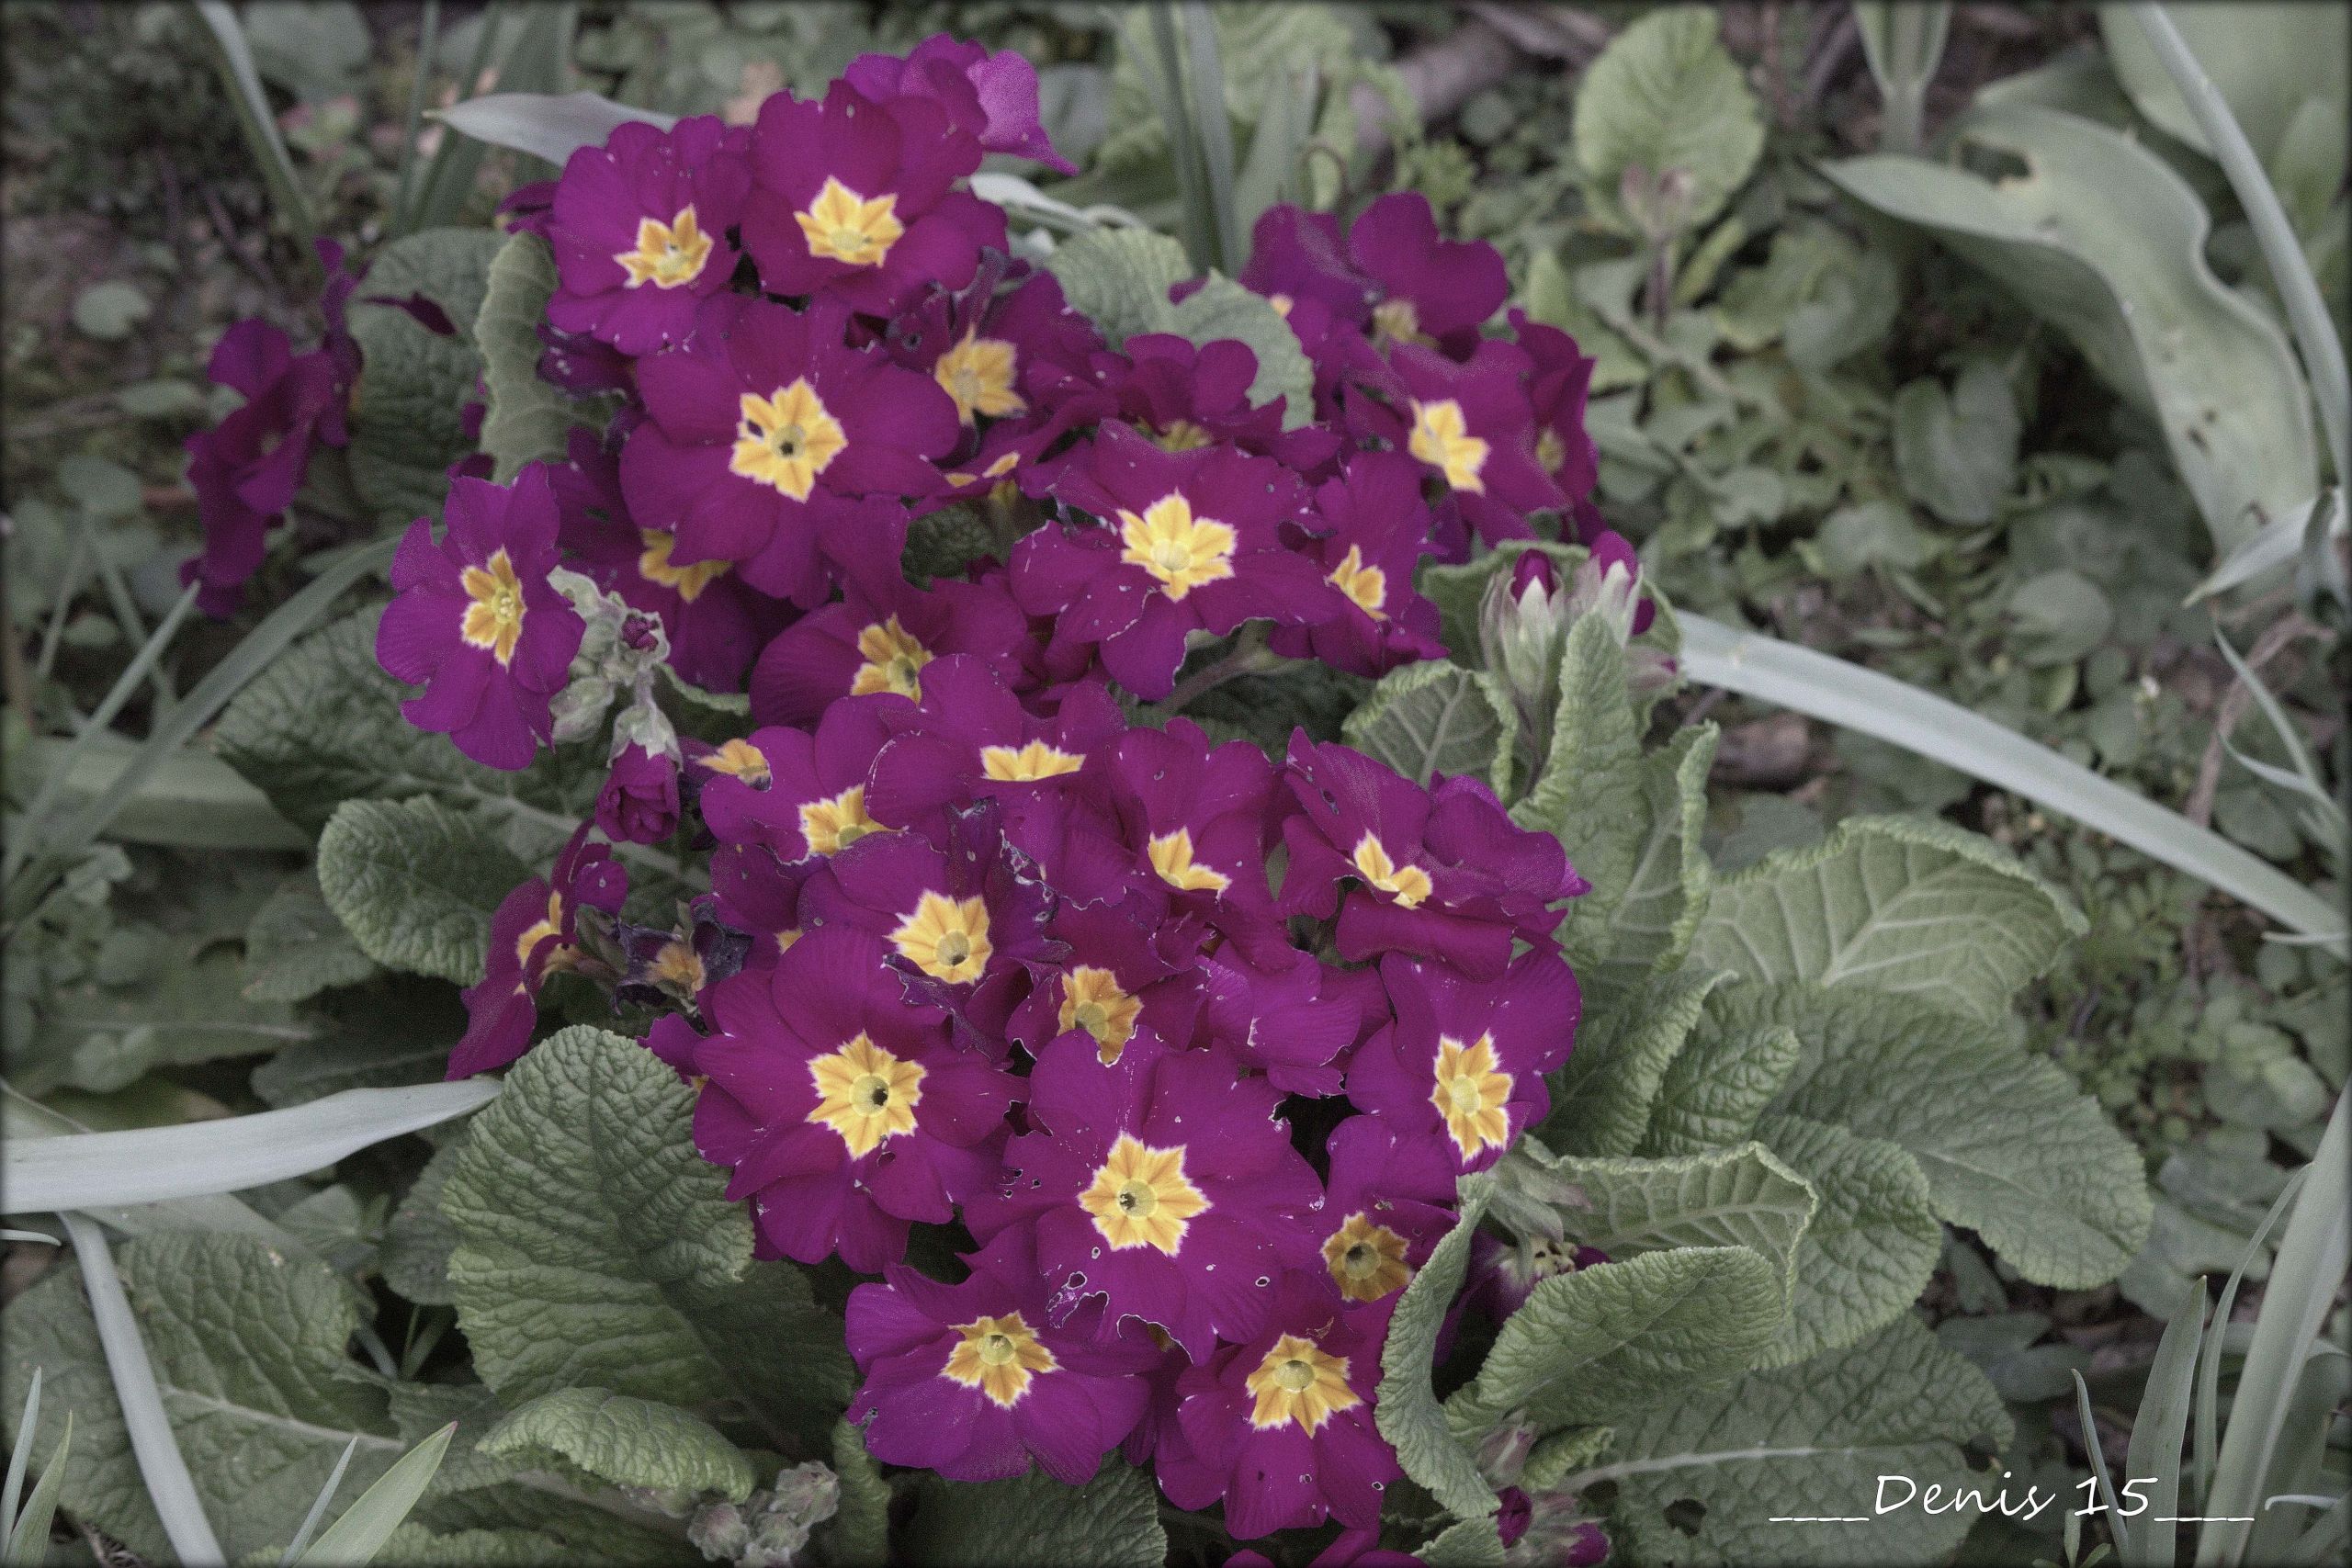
(677, 968)
(832, 825)
(1367, 1259)
(738, 759)
(1408, 884)
(1031, 763)
(1282, 304)
(1171, 856)
(1399, 321)
(653, 565)
(494, 619)
(1092, 1001)
(1441, 439)
(1142, 1198)
(1182, 436)
(786, 439)
(998, 1356)
(945, 938)
(865, 1094)
(668, 255)
(1181, 550)
(1550, 450)
(977, 373)
(549, 925)
(1470, 1093)
(1300, 1381)
(1367, 585)
(894, 660)
(847, 226)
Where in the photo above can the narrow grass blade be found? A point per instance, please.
(1847, 694)
(552, 126)
(2271, 547)
(428, 34)
(169, 1486)
(1150, 33)
(293, 1553)
(80, 1170)
(42, 1237)
(2115, 1525)
(176, 729)
(55, 772)
(1214, 128)
(364, 1527)
(26, 1425)
(29, 1537)
(2313, 1253)
(225, 37)
(2156, 1432)
(2290, 269)
(2208, 1416)
(2325, 1539)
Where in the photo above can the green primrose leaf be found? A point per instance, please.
(416, 883)
(596, 1249)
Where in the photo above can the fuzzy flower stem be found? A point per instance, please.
(1250, 656)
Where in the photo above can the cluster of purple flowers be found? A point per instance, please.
(1191, 1043)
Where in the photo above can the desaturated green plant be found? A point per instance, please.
(2251, 1487)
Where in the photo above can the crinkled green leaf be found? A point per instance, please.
(415, 883)
(1651, 929)
(295, 948)
(1601, 1098)
(1589, 789)
(1119, 278)
(526, 419)
(624, 1442)
(1666, 95)
(858, 1536)
(1465, 1543)
(1406, 1408)
(1873, 1241)
(1113, 1522)
(1716, 1088)
(2011, 1147)
(473, 1548)
(406, 412)
(1809, 1440)
(2103, 239)
(250, 1351)
(1221, 308)
(1433, 718)
(1607, 1341)
(596, 1249)
(1742, 1197)
(1904, 906)
(322, 726)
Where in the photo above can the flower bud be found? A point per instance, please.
(1503, 1454)
(1520, 627)
(719, 1531)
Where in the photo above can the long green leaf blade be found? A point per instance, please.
(1847, 694)
(2156, 1432)
(364, 1527)
(169, 1485)
(80, 1170)
(29, 1537)
(198, 708)
(26, 1425)
(226, 37)
(2312, 1254)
